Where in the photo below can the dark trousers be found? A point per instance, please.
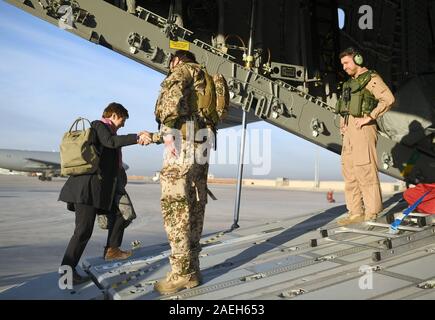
(85, 219)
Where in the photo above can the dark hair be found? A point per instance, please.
(352, 52)
(185, 56)
(115, 108)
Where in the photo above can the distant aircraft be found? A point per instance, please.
(44, 163)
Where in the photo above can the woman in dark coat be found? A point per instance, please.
(92, 194)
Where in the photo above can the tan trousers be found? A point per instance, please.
(359, 168)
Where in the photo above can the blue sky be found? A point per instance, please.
(49, 77)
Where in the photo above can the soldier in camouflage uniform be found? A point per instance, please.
(183, 177)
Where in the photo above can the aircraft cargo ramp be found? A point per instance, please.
(305, 257)
(308, 257)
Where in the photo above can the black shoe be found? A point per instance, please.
(78, 279)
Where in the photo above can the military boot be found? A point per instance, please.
(350, 219)
(116, 254)
(174, 283)
(371, 217)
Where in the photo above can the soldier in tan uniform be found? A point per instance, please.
(365, 98)
(183, 177)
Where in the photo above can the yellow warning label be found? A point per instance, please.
(179, 45)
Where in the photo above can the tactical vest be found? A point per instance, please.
(356, 100)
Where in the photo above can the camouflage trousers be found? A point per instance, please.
(183, 201)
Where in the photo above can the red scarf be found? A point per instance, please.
(112, 129)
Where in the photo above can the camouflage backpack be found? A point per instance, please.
(215, 101)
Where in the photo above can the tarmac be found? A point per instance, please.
(35, 228)
(288, 247)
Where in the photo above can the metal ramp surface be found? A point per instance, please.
(46, 287)
(308, 257)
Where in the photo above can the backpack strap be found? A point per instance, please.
(77, 122)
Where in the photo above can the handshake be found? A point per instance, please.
(145, 138)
